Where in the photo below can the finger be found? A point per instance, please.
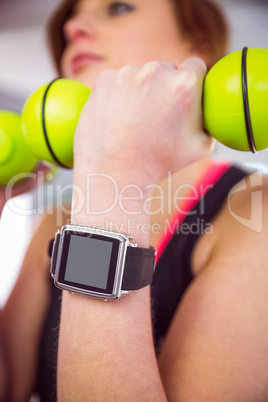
(189, 77)
(195, 64)
(152, 69)
(168, 64)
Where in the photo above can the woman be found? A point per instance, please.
(210, 325)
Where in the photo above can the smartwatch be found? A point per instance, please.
(99, 263)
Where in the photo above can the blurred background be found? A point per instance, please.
(25, 65)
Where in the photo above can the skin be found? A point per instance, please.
(214, 350)
(3, 366)
(26, 308)
(5, 195)
(94, 30)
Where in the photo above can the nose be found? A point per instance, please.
(78, 27)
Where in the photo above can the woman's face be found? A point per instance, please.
(104, 34)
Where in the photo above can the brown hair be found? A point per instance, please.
(204, 24)
(200, 21)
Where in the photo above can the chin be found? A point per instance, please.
(86, 77)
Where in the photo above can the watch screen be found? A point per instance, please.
(89, 261)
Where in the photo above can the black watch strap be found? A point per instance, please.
(139, 265)
(52, 250)
(139, 268)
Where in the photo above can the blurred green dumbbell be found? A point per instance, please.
(235, 100)
(15, 155)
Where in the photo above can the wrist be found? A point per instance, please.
(99, 263)
(124, 171)
(115, 201)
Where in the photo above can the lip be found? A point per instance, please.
(84, 59)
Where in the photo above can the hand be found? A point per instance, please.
(147, 119)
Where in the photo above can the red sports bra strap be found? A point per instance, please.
(211, 175)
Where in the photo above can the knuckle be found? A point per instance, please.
(188, 80)
(125, 71)
(200, 64)
(149, 70)
(104, 76)
(153, 65)
(186, 86)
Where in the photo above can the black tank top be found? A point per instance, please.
(172, 277)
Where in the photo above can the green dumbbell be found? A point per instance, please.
(15, 155)
(49, 118)
(235, 100)
(44, 131)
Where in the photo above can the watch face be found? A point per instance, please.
(89, 262)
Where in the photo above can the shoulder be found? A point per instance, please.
(245, 211)
(247, 202)
(240, 226)
(219, 333)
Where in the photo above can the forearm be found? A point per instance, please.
(106, 349)
(25, 311)
(3, 365)
(24, 315)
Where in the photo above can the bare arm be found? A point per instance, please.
(216, 345)
(106, 349)
(24, 312)
(216, 348)
(4, 374)
(5, 194)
